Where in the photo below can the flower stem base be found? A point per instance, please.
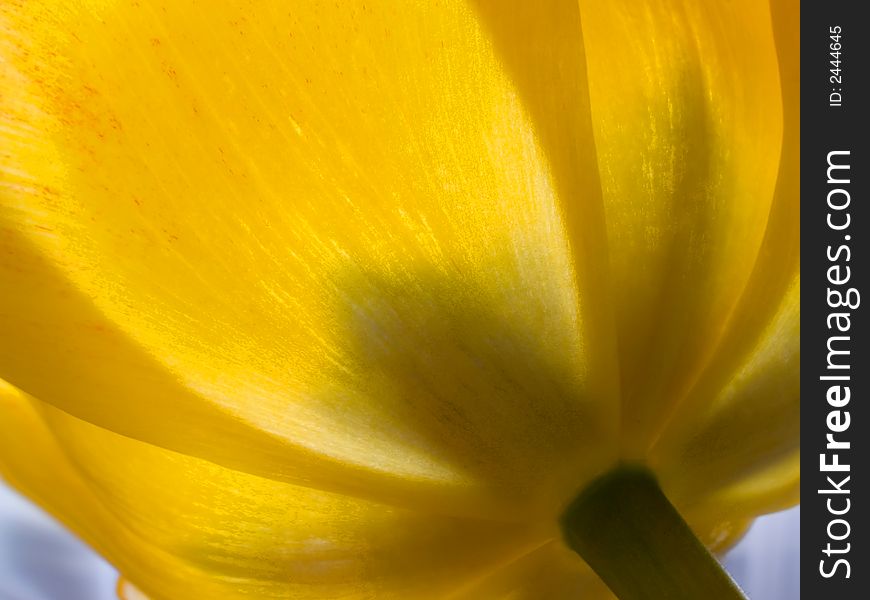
(635, 540)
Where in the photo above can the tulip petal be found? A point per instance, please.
(687, 113)
(234, 535)
(734, 443)
(318, 243)
(551, 572)
(32, 462)
(751, 428)
(128, 591)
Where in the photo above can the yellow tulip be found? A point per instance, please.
(351, 300)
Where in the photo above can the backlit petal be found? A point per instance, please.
(750, 427)
(687, 113)
(320, 243)
(234, 535)
(734, 443)
(551, 572)
(128, 591)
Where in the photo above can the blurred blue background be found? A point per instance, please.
(40, 560)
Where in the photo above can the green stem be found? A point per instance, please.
(635, 540)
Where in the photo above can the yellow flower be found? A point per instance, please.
(350, 300)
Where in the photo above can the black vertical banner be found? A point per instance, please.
(835, 371)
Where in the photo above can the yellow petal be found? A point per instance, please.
(32, 462)
(751, 426)
(128, 591)
(356, 247)
(234, 535)
(687, 112)
(768, 489)
(551, 572)
(733, 446)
